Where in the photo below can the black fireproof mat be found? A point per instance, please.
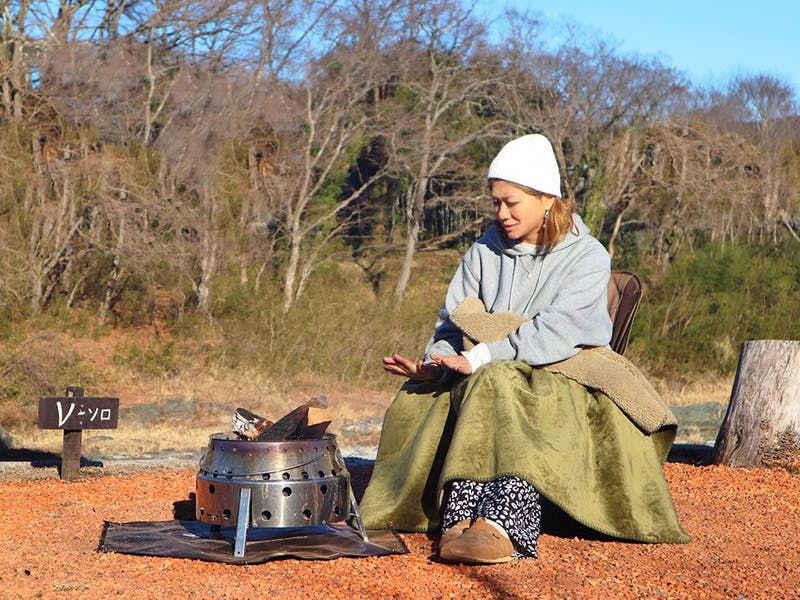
(195, 539)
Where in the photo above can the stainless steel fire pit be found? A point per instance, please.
(291, 483)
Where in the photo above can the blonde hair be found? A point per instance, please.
(559, 223)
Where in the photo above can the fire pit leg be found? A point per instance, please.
(357, 514)
(242, 522)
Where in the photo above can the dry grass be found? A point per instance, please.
(176, 415)
(167, 415)
(713, 388)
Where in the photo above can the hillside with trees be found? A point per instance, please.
(286, 185)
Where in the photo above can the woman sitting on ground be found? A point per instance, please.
(480, 429)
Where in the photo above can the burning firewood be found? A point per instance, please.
(308, 421)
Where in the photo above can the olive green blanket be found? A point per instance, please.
(573, 444)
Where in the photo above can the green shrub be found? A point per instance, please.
(695, 318)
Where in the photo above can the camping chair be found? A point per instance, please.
(624, 293)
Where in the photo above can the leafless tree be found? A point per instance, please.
(765, 105)
(590, 101)
(14, 64)
(326, 124)
(55, 218)
(181, 142)
(444, 92)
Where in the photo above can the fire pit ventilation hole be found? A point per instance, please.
(202, 510)
(320, 474)
(266, 515)
(304, 475)
(336, 511)
(227, 514)
(307, 514)
(211, 489)
(265, 476)
(286, 476)
(283, 450)
(323, 489)
(287, 491)
(333, 472)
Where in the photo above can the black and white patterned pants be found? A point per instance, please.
(511, 502)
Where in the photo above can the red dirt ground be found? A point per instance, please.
(745, 524)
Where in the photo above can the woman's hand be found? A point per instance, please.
(455, 362)
(405, 367)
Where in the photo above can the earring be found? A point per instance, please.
(546, 218)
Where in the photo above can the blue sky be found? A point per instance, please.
(710, 41)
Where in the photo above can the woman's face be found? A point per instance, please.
(519, 213)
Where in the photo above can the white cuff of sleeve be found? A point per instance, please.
(477, 356)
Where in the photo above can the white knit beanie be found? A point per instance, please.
(528, 161)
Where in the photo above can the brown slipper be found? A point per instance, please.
(454, 532)
(481, 543)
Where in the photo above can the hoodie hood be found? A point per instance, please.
(497, 240)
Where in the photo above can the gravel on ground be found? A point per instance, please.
(745, 525)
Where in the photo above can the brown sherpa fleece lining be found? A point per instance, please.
(598, 368)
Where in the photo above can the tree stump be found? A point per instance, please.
(762, 424)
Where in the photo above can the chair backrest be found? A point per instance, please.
(624, 293)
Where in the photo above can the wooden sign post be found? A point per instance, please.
(74, 413)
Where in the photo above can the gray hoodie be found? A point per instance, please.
(563, 291)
